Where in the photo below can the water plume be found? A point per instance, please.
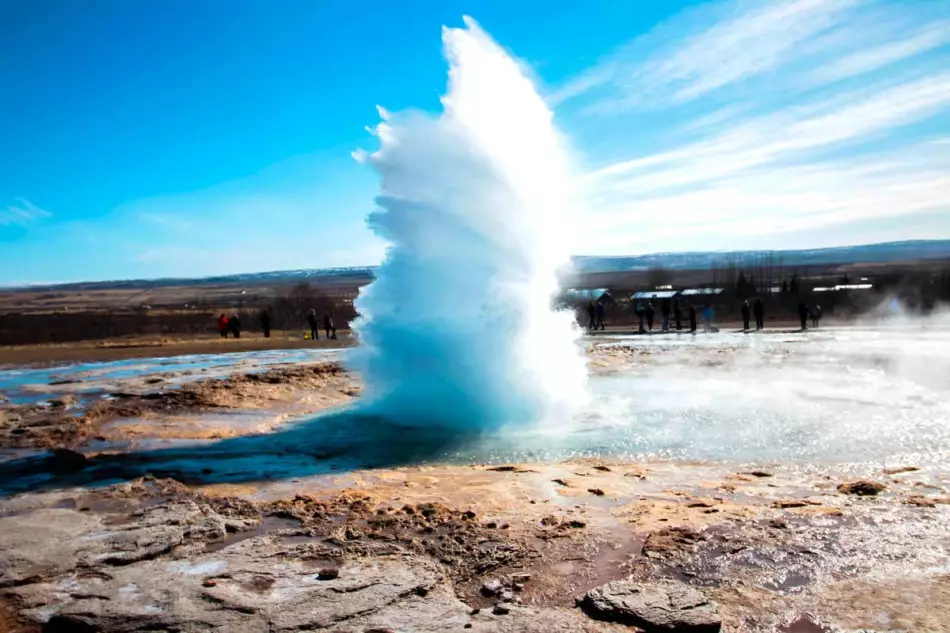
(457, 330)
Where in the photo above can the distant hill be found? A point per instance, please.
(869, 253)
(700, 260)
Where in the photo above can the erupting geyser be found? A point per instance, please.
(457, 330)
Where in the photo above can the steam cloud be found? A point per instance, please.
(457, 330)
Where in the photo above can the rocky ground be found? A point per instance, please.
(581, 545)
(156, 406)
(561, 547)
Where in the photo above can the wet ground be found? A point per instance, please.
(799, 481)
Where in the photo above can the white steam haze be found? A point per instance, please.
(457, 330)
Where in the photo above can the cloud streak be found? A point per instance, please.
(768, 119)
(22, 212)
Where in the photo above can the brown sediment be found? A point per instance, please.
(452, 531)
(171, 412)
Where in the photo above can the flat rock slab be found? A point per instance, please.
(658, 606)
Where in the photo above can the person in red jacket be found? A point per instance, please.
(223, 326)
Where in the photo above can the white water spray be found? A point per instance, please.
(457, 330)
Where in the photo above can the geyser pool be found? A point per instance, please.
(457, 330)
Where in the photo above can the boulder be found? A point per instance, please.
(861, 487)
(660, 606)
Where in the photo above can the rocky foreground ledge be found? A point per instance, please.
(560, 547)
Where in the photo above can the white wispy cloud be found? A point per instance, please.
(903, 46)
(22, 212)
(769, 118)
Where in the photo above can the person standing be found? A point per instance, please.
(591, 317)
(234, 324)
(746, 313)
(665, 311)
(223, 326)
(328, 326)
(758, 308)
(692, 318)
(651, 311)
(803, 315)
(678, 314)
(640, 312)
(600, 315)
(265, 323)
(312, 322)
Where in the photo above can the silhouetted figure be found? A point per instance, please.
(651, 312)
(591, 316)
(746, 314)
(665, 311)
(223, 326)
(312, 322)
(328, 326)
(640, 314)
(707, 318)
(265, 323)
(678, 315)
(816, 316)
(234, 324)
(758, 308)
(803, 314)
(692, 318)
(600, 315)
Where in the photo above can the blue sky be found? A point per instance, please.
(177, 138)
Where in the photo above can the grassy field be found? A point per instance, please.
(152, 347)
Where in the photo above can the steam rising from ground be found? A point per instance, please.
(457, 329)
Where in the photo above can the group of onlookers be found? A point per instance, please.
(232, 325)
(673, 313)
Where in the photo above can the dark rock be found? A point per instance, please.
(328, 574)
(577, 524)
(862, 487)
(602, 469)
(561, 482)
(596, 492)
(661, 606)
(507, 596)
(757, 473)
(900, 469)
(210, 582)
(501, 609)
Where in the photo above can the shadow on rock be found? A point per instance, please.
(337, 441)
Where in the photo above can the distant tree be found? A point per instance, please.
(291, 310)
(658, 276)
